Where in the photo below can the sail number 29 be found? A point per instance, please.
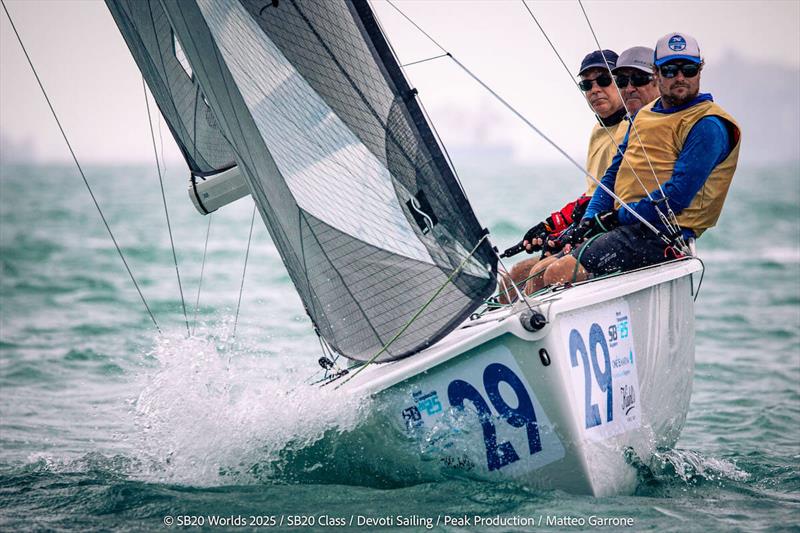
(577, 346)
(499, 454)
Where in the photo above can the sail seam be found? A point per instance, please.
(322, 250)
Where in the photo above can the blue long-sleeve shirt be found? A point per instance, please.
(706, 146)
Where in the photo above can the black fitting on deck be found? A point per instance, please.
(532, 320)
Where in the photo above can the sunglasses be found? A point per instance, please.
(689, 70)
(603, 80)
(637, 80)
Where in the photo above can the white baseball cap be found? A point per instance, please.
(677, 46)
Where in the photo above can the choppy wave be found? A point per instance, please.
(217, 411)
(107, 425)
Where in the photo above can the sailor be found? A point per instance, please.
(684, 139)
(633, 75)
(597, 84)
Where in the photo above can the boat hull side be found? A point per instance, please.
(563, 407)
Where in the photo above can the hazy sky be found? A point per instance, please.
(97, 90)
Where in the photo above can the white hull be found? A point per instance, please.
(566, 424)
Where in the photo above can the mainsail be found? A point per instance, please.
(346, 173)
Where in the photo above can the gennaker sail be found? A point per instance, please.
(346, 173)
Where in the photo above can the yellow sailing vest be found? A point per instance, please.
(602, 150)
(663, 135)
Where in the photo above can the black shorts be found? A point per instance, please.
(622, 249)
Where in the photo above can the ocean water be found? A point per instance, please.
(105, 423)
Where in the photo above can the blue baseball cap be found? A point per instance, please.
(677, 46)
(595, 60)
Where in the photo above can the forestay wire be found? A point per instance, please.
(166, 211)
(668, 222)
(527, 122)
(80, 169)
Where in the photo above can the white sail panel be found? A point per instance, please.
(161, 59)
(317, 145)
(346, 173)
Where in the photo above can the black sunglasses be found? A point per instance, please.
(637, 80)
(671, 70)
(603, 80)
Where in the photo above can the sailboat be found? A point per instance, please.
(303, 106)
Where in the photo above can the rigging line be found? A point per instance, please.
(577, 86)
(442, 145)
(392, 137)
(416, 26)
(702, 275)
(520, 293)
(421, 104)
(508, 106)
(552, 143)
(670, 212)
(504, 289)
(423, 60)
(161, 142)
(244, 270)
(166, 211)
(202, 271)
(419, 312)
(74, 158)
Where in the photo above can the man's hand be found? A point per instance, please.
(600, 223)
(560, 242)
(534, 238)
(589, 227)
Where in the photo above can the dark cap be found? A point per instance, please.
(595, 60)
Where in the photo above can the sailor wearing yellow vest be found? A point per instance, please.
(597, 84)
(633, 75)
(693, 147)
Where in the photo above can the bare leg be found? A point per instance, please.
(519, 272)
(535, 274)
(563, 271)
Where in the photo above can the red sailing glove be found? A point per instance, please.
(551, 227)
